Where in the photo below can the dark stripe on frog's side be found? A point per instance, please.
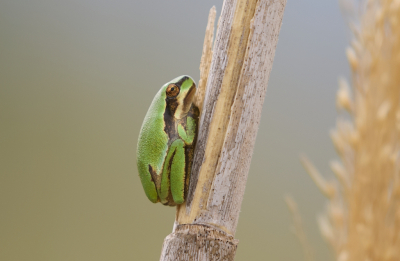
(155, 178)
(169, 119)
(153, 174)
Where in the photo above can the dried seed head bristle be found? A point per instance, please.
(343, 100)
(352, 57)
(327, 188)
(298, 229)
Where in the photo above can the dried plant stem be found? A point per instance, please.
(241, 62)
(205, 61)
(230, 49)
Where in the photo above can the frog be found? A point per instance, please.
(166, 142)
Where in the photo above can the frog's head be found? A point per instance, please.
(179, 94)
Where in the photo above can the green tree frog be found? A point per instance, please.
(166, 142)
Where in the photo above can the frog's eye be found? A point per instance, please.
(172, 90)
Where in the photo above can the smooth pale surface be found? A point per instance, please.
(76, 79)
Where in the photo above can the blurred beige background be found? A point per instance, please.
(76, 79)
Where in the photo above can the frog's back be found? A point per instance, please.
(153, 142)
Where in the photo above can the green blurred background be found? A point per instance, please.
(76, 79)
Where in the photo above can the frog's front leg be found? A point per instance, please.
(190, 132)
(173, 176)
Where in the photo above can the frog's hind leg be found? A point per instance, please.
(165, 187)
(146, 175)
(173, 175)
(178, 173)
